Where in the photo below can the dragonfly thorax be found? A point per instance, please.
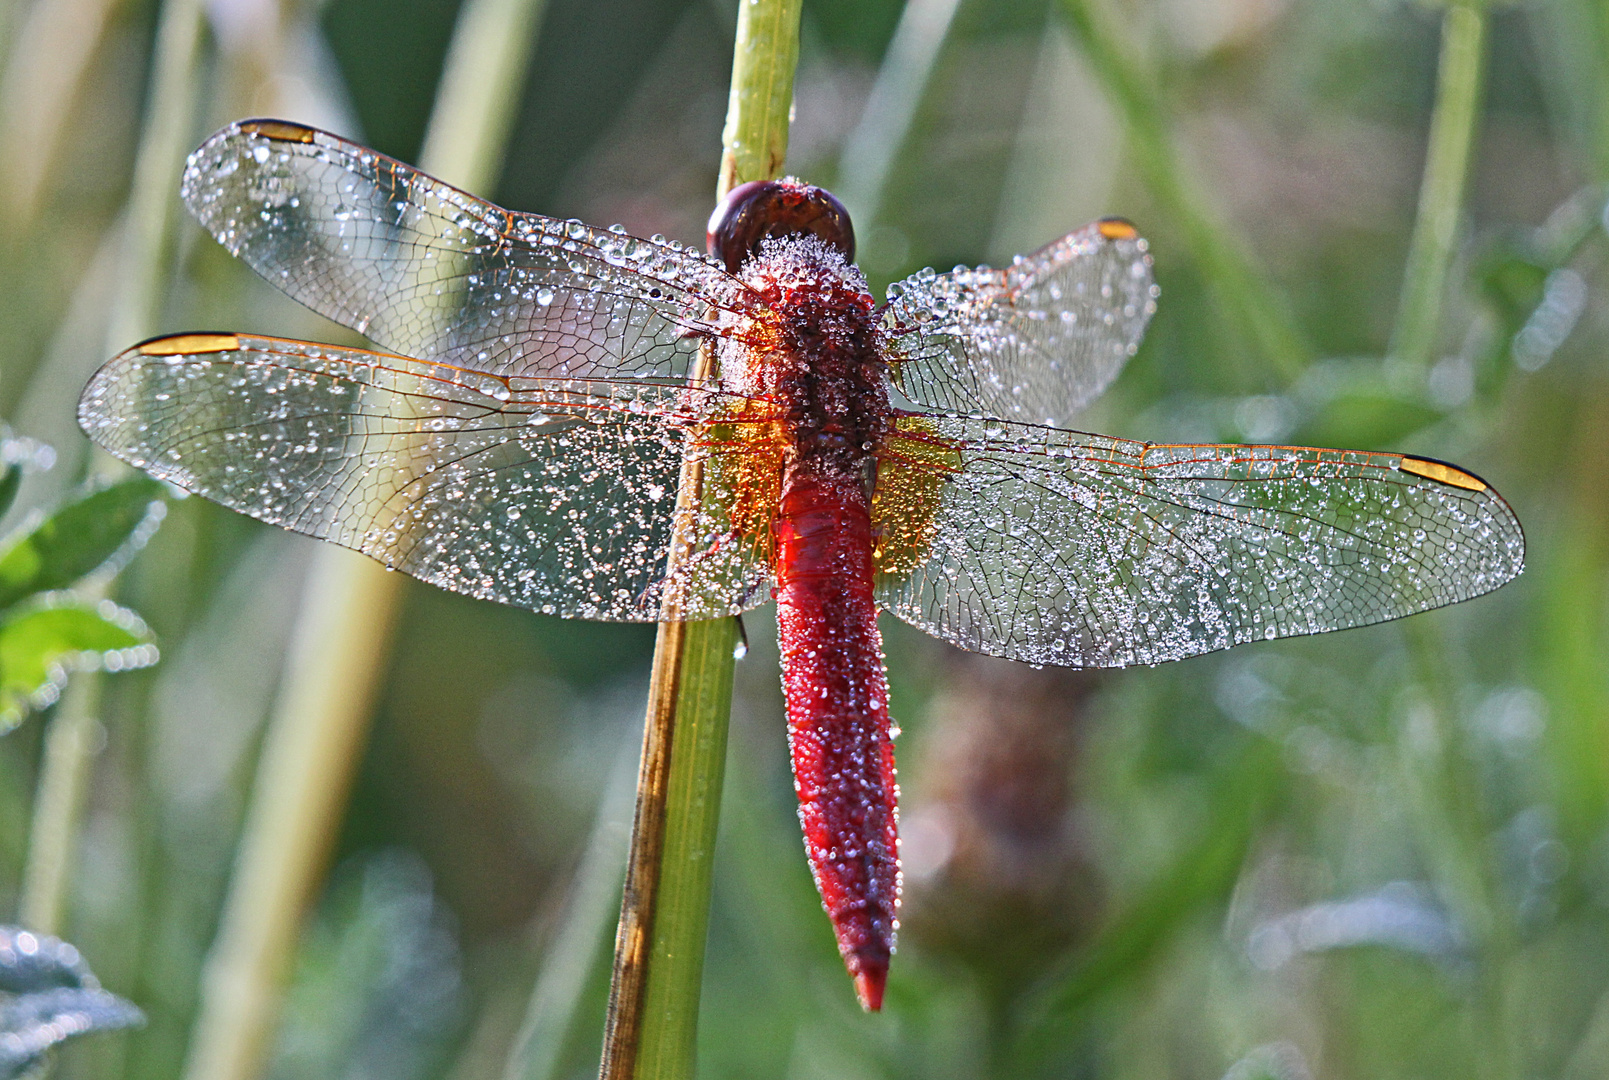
(817, 356)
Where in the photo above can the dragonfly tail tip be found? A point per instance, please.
(869, 982)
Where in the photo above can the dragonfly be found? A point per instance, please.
(597, 425)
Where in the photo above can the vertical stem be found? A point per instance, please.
(1441, 191)
(332, 677)
(309, 751)
(754, 143)
(170, 120)
(146, 224)
(869, 151)
(1256, 313)
(567, 962)
(58, 802)
(659, 947)
(482, 78)
(1598, 36)
(1454, 838)
(1448, 813)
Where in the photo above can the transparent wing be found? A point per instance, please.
(429, 271)
(1033, 342)
(549, 494)
(1056, 547)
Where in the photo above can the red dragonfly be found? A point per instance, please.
(542, 401)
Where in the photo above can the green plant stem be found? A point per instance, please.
(664, 912)
(169, 126)
(754, 141)
(1598, 51)
(567, 962)
(147, 228)
(58, 804)
(1251, 307)
(482, 78)
(43, 74)
(1443, 801)
(1445, 805)
(309, 752)
(659, 947)
(315, 738)
(1441, 191)
(1443, 795)
(869, 151)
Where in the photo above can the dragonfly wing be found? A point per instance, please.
(548, 494)
(426, 270)
(1033, 342)
(1077, 550)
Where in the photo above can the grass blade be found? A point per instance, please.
(147, 226)
(890, 110)
(333, 674)
(1256, 313)
(1441, 193)
(574, 946)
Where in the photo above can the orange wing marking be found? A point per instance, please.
(1442, 473)
(189, 344)
(746, 447)
(1114, 228)
(913, 467)
(279, 129)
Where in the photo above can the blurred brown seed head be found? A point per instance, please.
(996, 873)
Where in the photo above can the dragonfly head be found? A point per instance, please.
(762, 209)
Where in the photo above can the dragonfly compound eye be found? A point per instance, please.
(763, 208)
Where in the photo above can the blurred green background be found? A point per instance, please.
(1381, 853)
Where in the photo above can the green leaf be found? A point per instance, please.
(42, 645)
(86, 534)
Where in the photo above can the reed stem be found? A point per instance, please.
(147, 228)
(567, 962)
(1441, 191)
(1443, 795)
(870, 150)
(1257, 314)
(316, 736)
(58, 806)
(652, 1022)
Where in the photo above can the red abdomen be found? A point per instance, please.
(837, 702)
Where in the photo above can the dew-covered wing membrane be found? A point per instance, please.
(1077, 550)
(426, 270)
(1033, 342)
(556, 495)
